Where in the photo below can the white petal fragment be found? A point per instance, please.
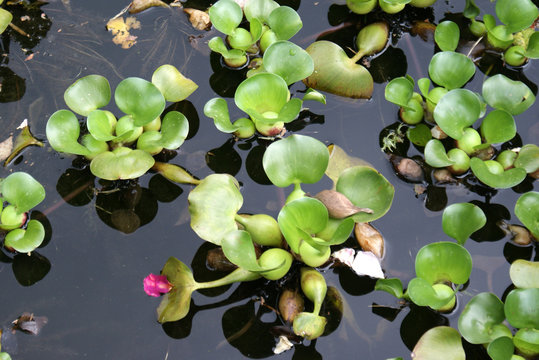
(366, 263)
(283, 345)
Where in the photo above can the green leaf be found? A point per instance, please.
(522, 308)
(172, 84)
(226, 16)
(213, 204)
(259, 9)
(121, 163)
(238, 247)
(524, 274)
(443, 261)
(441, 342)
(309, 325)
(217, 109)
(457, 110)
(366, 188)
(399, 91)
(5, 19)
(87, 94)
(22, 190)
(422, 293)
(505, 180)
(527, 211)
(284, 22)
(295, 159)
(101, 125)
(528, 158)
(450, 69)
(424, 85)
(481, 320)
(498, 127)
(461, 220)
(447, 35)
(288, 60)
(533, 46)
(516, 14)
(392, 286)
(527, 342)
(336, 73)
(435, 154)
(139, 98)
(501, 348)
(339, 161)
(419, 135)
(471, 11)
(63, 132)
(175, 304)
(312, 94)
(174, 130)
(500, 92)
(25, 241)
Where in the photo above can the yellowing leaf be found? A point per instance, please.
(199, 19)
(120, 30)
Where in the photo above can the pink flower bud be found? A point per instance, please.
(155, 285)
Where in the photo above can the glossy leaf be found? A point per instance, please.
(25, 241)
(63, 132)
(367, 188)
(533, 46)
(336, 73)
(435, 154)
(461, 220)
(501, 348)
(527, 342)
(443, 261)
(284, 22)
(471, 11)
(498, 127)
(450, 69)
(22, 190)
(516, 14)
(213, 205)
(457, 110)
(5, 19)
(505, 180)
(339, 161)
(238, 247)
(480, 317)
(121, 163)
(87, 94)
(175, 304)
(259, 9)
(447, 35)
(288, 60)
(422, 293)
(392, 286)
(101, 125)
(295, 159)
(527, 211)
(139, 98)
(522, 308)
(441, 342)
(226, 16)
(419, 135)
(500, 92)
(399, 91)
(217, 109)
(525, 274)
(172, 84)
(528, 158)
(174, 129)
(314, 95)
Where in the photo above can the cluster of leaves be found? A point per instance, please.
(308, 226)
(388, 6)
(122, 148)
(444, 117)
(20, 192)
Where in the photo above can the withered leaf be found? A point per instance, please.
(23, 140)
(29, 323)
(338, 204)
(137, 6)
(369, 239)
(120, 30)
(199, 19)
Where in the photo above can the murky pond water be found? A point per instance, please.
(87, 280)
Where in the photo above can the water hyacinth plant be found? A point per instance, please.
(388, 6)
(122, 148)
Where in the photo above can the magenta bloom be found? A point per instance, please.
(155, 285)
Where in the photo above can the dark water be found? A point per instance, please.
(91, 291)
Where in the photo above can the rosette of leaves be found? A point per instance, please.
(266, 99)
(20, 192)
(110, 143)
(439, 268)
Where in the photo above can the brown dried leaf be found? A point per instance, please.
(338, 204)
(137, 6)
(199, 19)
(29, 323)
(369, 239)
(5, 148)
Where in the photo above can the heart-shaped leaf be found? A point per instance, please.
(101, 125)
(500, 92)
(505, 180)
(213, 204)
(217, 109)
(25, 241)
(288, 60)
(457, 110)
(174, 129)
(172, 84)
(121, 163)
(501, 348)
(175, 304)
(522, 308)
(419, 135)
(516, 14)
(447, 35)
(524, 274)
(284, 22)
(366, 188)
(450, 69)
(435, 154)
(295, 159)
(528, 158)
(422, 293)
(441, 342)
(443, 261)
(88, 94)
(527, 211)
(226, 16)
(399, 91)
(63, 132)
(481, 320)
(336, 73)
(22, 190)
(498, 127)
(139, 98)
(461, 220)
